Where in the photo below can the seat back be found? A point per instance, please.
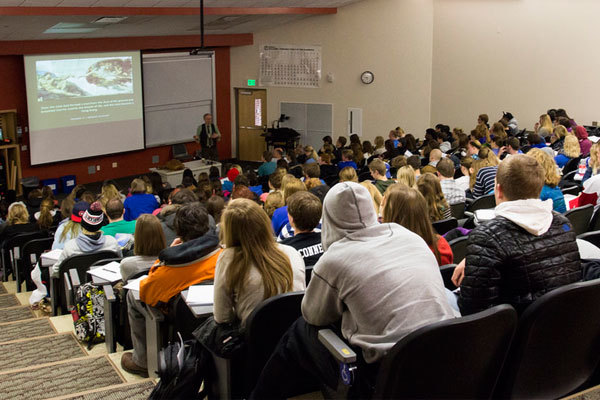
(13, 251)
(580, 218)
(459, 248)
(571, 165)
(482, 203)
(83, 262)
(264, 328)
(592, 237)
(458, 210)
(556, 347)
(595, 222)
(455, 358)
(447, 271)
(31, 253)
(573, 190)
(445, 225)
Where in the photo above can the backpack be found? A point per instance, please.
(88, 314)
(182, 367)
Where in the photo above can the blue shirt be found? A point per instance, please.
(137, 204)
(267, 168)
(257, 190)
(557, 197)
(279, 220)
(561, 160)
(344, 164)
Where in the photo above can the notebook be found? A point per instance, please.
(200, 295)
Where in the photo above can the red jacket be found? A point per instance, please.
(445, 251)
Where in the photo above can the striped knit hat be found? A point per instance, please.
(93, 217)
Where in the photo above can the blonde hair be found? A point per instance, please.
(546, 123)
(559, 132)
(138, 186)
(551, 175)
(17, 214)
(292, 186)
(594, 161)
(348, 174)
(571, 147)
(375, 195)
(71, 230)
(312, 182)
(46, 219)
(258, 250)
(406, 175)
(429, 186)
(273, 201)
(108, 193)
(313, 153)
(379, 142)
(498, 130)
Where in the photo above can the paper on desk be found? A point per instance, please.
(110, 272)
(135, 284)
(51, 257)
(201, 295)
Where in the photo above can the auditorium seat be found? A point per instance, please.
(264, 328)
(445, 225)
(580, 218)
(482, 203)
(459, 248)
(556, 348)
(447, 271)
(458, 210)
(458, 358)
(12, 249)
(593, 237)
(573, 190)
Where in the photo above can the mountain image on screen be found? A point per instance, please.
(87, 77)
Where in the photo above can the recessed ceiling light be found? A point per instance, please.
(109, 20)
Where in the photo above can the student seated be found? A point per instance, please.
(523, 253)
(362, 283)
(429, 186)
(434, 157)
(191, 259)
(253, 267)
(69, 228)
(550, 190)
(268, 166)
(304, 213)
(415, 162)
(484, 172)
(407, 207)
(167, 215)
(17, 222)
(570, 151)
(115, 211)
(90, 239)
(452, 192)
(406, 176)
(47, 217)
(140, 202)
(289, 186)
(347, 160)
(149, 241)
(378, 172)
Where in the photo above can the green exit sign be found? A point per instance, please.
(251, 82)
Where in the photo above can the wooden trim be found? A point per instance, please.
(18, 47)
(126, 11)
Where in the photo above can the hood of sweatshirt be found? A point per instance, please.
(88, 244)
(533, 215)
(191, 251)
(347, 208)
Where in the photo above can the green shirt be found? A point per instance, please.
(119, 227)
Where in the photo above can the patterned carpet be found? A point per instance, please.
(15, 314)
(23, 354)
(58, 379)
(25, 329)
(9, 300)
(3, 289)
(136, 391)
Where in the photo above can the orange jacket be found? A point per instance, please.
(164, 282)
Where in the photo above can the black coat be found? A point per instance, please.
(506, 264)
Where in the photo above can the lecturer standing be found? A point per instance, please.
(208, 135)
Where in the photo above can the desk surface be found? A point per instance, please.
(198, 311)
(193, 165)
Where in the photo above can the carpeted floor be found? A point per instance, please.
(9, 300)
(136, 391)
(3, 289)
(58, 379)
(15, 314)
(25, 330)
(27, 352)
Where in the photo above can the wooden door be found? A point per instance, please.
(251, 122)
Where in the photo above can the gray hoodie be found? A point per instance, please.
(381, 280)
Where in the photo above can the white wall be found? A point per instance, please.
(391, 38)
(523, 56)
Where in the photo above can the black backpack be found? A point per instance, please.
(181, 378)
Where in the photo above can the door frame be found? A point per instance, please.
(237, 114)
